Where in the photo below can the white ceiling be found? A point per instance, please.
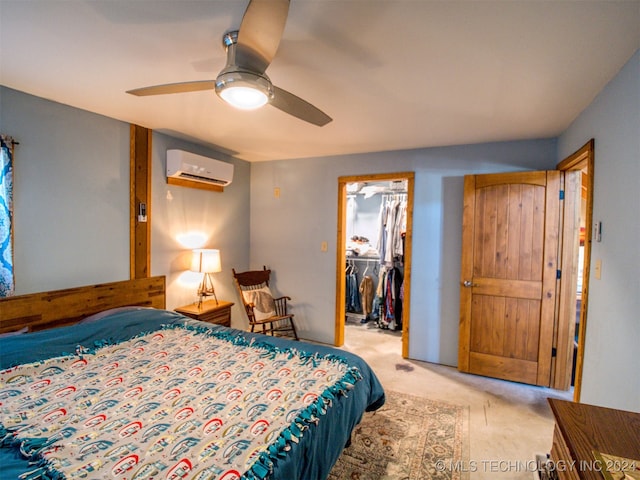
(393, 74)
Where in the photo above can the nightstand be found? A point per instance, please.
(211, 312)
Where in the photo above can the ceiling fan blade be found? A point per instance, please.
(260, 33)
(289, 103)
(174, 88)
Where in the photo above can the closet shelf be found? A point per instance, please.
(362, 258)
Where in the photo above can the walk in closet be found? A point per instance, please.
(376, 214)
(373, 261)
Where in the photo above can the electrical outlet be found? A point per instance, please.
(324, 246)
(598, 269)
(276, 192)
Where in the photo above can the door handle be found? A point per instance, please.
(469, 284)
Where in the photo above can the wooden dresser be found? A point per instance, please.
(209, 311)
(582, 430)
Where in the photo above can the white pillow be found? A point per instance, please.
(263, 304)
(15, 332)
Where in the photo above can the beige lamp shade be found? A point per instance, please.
(206, 260)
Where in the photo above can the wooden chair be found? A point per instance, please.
(263, 310)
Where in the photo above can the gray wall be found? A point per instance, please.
(613, 328)
(71, 194)
(222, 217)
(287, 232)
(71, 208)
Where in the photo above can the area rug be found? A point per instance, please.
(409, 438)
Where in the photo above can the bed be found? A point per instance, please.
(129, 390)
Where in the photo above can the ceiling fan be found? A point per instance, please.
(243, 82)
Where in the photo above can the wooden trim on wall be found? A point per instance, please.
(181, 182)
(341, 260)
(583, 157)
(579, 159)
(140, 193)
(466, 272)
(408, 255)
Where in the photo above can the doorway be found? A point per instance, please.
(361, 252)
(582, 160)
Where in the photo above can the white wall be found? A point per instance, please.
(365, 220)
(286, 232)
(611, 375)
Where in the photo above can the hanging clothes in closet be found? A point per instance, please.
(392, 229)
(391, 297)
(352, 300)
(360, 290)
(376, 211)
(366, 292)
(392, 226)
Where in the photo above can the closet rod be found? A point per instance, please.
(402, 195)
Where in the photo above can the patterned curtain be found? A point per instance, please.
(6, 216)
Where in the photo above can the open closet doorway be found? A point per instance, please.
(373, 261)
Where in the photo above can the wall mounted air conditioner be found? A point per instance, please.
(189, 166)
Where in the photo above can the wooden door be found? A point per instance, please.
(508, 275)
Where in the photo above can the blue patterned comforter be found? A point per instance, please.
(243, 405)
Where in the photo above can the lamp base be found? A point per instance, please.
(206, 289)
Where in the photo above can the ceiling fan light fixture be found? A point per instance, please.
(243, 83)
(244, 90)
(245, 98)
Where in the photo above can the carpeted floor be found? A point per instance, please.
(409, 438)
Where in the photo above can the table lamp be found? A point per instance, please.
(206, 261)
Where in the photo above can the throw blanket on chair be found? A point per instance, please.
(181, 402)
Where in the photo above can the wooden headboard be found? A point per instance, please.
(39, 311)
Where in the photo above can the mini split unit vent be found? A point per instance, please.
(189, 166)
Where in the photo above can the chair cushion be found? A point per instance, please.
(264, 306)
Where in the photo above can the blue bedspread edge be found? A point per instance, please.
(310, 459)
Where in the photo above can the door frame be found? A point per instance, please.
(341, 255)
(581, 158)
